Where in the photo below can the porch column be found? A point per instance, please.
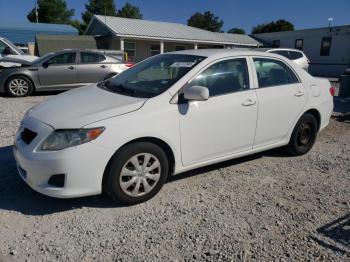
(195, 46)
(161, 47)
(121, 44)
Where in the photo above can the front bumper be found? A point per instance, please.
(83, 165)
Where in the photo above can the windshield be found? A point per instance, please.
(13, 46)
(153, 76)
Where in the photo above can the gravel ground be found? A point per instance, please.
(265, 207)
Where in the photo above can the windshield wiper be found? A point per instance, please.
(116, 88)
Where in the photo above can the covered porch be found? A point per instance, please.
(140, 49)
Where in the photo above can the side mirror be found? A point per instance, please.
(46, 64)
(196, 93)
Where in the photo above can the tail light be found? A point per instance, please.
(332, 90)
(129, 64)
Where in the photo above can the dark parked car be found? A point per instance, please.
(60, 71)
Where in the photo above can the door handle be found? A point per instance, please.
(299, 93)
(103, 66)
(71, 67)
(249, 102)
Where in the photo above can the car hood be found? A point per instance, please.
(28, 58)
(19, 59)
(83, 106)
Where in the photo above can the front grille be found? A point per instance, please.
(28, 136)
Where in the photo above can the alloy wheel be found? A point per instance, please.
(18, 87)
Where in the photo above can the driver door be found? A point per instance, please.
(225, 123)
(59, 71)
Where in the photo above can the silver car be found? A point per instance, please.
(60, 71)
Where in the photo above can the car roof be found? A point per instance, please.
(280, 49)
(110, 55)
(221, 53)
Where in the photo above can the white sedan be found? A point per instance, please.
(166, 115)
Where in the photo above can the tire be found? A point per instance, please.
(129, 181)
(19, 86)
(304, 135)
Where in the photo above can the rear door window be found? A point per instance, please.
(272, 72)
(87, 57)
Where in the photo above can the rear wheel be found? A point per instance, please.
(137, 173)
(19, 86)
(304, 135)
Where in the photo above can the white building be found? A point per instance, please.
(327, 48)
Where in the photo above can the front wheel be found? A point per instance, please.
(304, 135)
(19, 86)
(137, 173)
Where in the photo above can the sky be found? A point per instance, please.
(235, 13)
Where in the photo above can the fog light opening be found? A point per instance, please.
(57, 180)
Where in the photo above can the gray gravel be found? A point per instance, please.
(266, 207)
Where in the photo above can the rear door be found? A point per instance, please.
(59, 71)
(281, 97)
(92, 67)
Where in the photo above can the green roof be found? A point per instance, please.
(49, 43)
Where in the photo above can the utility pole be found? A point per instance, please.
(36, 11)
(105, 16)
(330, 20)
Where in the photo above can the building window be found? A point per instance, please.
(326, 46)
(155, 49)
(130, 50)
(299, 44)
(276, 43)
(180, 48)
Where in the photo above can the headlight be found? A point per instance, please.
(64, 138)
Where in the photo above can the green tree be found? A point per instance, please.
(130, 11)
(278, 26)
(52, 11)
(97, 7)
(207, 21)
(78, 25)
(236, 30)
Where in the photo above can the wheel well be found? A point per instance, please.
(31, 81)
(316, 114)
(167, 149)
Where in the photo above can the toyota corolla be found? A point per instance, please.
(168, 114)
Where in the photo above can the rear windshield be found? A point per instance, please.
(295, 55)
(292, 55)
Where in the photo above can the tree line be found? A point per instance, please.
(57, 12)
